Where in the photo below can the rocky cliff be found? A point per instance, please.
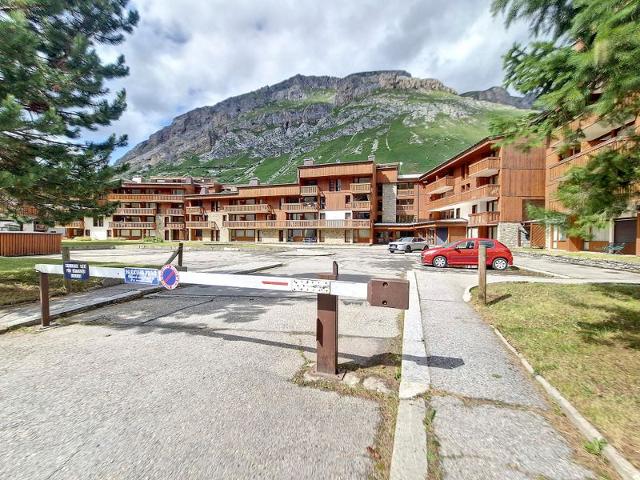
(502, 96)
(268, 132)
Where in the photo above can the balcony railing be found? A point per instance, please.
(360, 205)
(406, 192)
(137, 225)
(309, 190)
(174, 226)
(267, 224)
(75, 224)
(360, 188)
(442, 185)
(178, 212)
(405, 208)
(483, 218)
(257, 208)
(560, 170)
(194, 210)
(144, 197)
(486, 167)
(300, 207)
(486, 192)
(135, 211)
(203, 225)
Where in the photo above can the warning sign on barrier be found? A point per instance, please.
(76, 271)
(169, 278)
(145, 276)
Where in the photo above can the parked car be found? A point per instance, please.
(465, 252)
(408, 245)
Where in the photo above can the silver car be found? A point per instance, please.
(408, 245)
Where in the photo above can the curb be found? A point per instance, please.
(409, 456)
(624, 468)
(543, 272)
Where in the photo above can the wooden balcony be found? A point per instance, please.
(75, 224)
(442, 185)
(174, 226)
(559, 171)
(144, 197)
(270, 224)
(360, 188)
(135, 211)
(134, 225)
(309, 190)
(484, 193)
(194, 210)
(406, 192)
(405, 209)
(177, 212)
(300, 207)
(202, 225)
(483, 218)
(360, 205)
(487, 167)
(257, 208)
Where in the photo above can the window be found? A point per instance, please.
(457, 213)
(468, 245)
(488, 243)
(338, 185)
(474, 208)
(98, 221)
(332, 186)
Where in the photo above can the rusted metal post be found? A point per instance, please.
(482, 274)
(66, 256)
(327, 328)
(44, 299)
(180, 247)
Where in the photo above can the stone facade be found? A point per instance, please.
(508, 233)
(217, 217)
(269, 236)
(389, 195)
(335, 236)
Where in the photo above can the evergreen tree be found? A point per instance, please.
(583, 61)
(52, 89)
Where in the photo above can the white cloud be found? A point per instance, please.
(188, 53)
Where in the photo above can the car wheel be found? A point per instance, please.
(440, 261)
(499, 264)
(407, 249)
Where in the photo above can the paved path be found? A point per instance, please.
(569, 270)
(489, 414)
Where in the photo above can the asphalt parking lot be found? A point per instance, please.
(193, 383)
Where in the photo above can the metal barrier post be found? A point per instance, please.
(180, 247)
(66, 256)
(44, 299)
(327, 328)
(482, 274)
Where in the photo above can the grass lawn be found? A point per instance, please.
(19, 282)
(584, 339)
(633, 259)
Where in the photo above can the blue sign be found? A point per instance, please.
(75, 270)
(146, 276)
(169, 277)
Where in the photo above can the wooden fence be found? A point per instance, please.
(14, 244)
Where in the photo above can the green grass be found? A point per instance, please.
(584, 339)
(19, 282)
(631, 259)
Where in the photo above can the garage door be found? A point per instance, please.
(625, 231)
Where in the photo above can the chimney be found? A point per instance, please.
(308, 162)
(337, 160)
(254, 181)
(371, 158)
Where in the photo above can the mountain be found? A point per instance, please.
(268, 132)
(501, 96)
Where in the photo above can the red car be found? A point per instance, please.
(465, 252)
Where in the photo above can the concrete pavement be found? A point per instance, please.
(568, 270)
(490, 417)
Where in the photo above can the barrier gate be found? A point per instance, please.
(378, 292)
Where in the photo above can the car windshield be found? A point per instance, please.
(445, 245)
(405, 239)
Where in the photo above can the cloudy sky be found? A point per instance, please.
(189, 53)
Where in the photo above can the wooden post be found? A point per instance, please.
(44, 299)
(482, 274)
(180, 247)
(327, 328)
(66, 256)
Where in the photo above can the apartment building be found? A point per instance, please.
(484, 191)
(329, 203)
(599, 136)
